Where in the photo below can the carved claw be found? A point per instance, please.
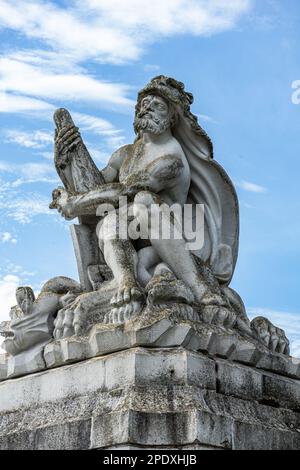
(70, 320)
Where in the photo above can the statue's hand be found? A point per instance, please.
(65, 140)
(63, 203)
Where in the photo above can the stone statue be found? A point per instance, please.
(170, 162)
(130, 272)
(32, 320)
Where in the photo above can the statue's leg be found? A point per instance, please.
(174, 252)
(122, 259)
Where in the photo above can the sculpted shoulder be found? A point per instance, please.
(118, 157)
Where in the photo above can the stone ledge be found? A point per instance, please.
(157, 366)
(191, 398)
(164, 333)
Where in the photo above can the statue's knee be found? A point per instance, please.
(107, 228)
(146, 198)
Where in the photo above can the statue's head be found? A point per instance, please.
(159, 104)
(25, 298)
(155, 114)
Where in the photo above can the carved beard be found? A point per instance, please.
(152, 125)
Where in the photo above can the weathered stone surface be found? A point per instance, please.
(238, 381)
(151, 397)
(253, 437)
(161, 429)
(159, 331)
(3, 366)
(281, 392)
(282, 365)
(74, 435)
(53, 354)
(26, 362)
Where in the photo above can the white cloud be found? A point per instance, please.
(8, 286)
(21, 207)
(252, 187)
(206, 118)
(29, 173)
(35, 140)
(289, 322)
(151, 68)
(7, 237)
(10, 103)
(22, 78)
(114, 30)
(111, 31)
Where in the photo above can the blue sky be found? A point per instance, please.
(238, 57)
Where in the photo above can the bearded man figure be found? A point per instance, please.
(170, 162)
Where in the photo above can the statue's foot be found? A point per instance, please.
(126, 303)
(127, 293)
(124, 313)
(274, 338)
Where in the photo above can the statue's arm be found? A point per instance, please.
(111, 171)
(160, 174)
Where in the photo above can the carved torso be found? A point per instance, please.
(136, 158)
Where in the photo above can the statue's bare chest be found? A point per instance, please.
(139, 156)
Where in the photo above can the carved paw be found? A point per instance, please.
(217, 311)
(164, 288)
(218, 315)
(274, 338)
(70, 320)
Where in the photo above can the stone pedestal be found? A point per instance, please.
(152, 398)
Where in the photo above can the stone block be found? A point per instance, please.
(177, 335)
(104, 340)
(279, 364)
(73, 349)
(246, 353)
(65, 436)
(169, 367)
(223, 345)
(254, 437)
(161, 429)
(3, 366)
(281, 391)
(53, 354)
(239, 381)
(26, 362)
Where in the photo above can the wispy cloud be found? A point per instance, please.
(24, 209)
(10, 103)
(289, 322)
(251, 187)
(8, 286)
(29, 173)
(7, 237)
(37, 81)
(151, 68)
(35, 140)
(107, 31)
(115, 31)
(206, 118)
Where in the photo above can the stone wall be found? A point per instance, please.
(151, 398)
